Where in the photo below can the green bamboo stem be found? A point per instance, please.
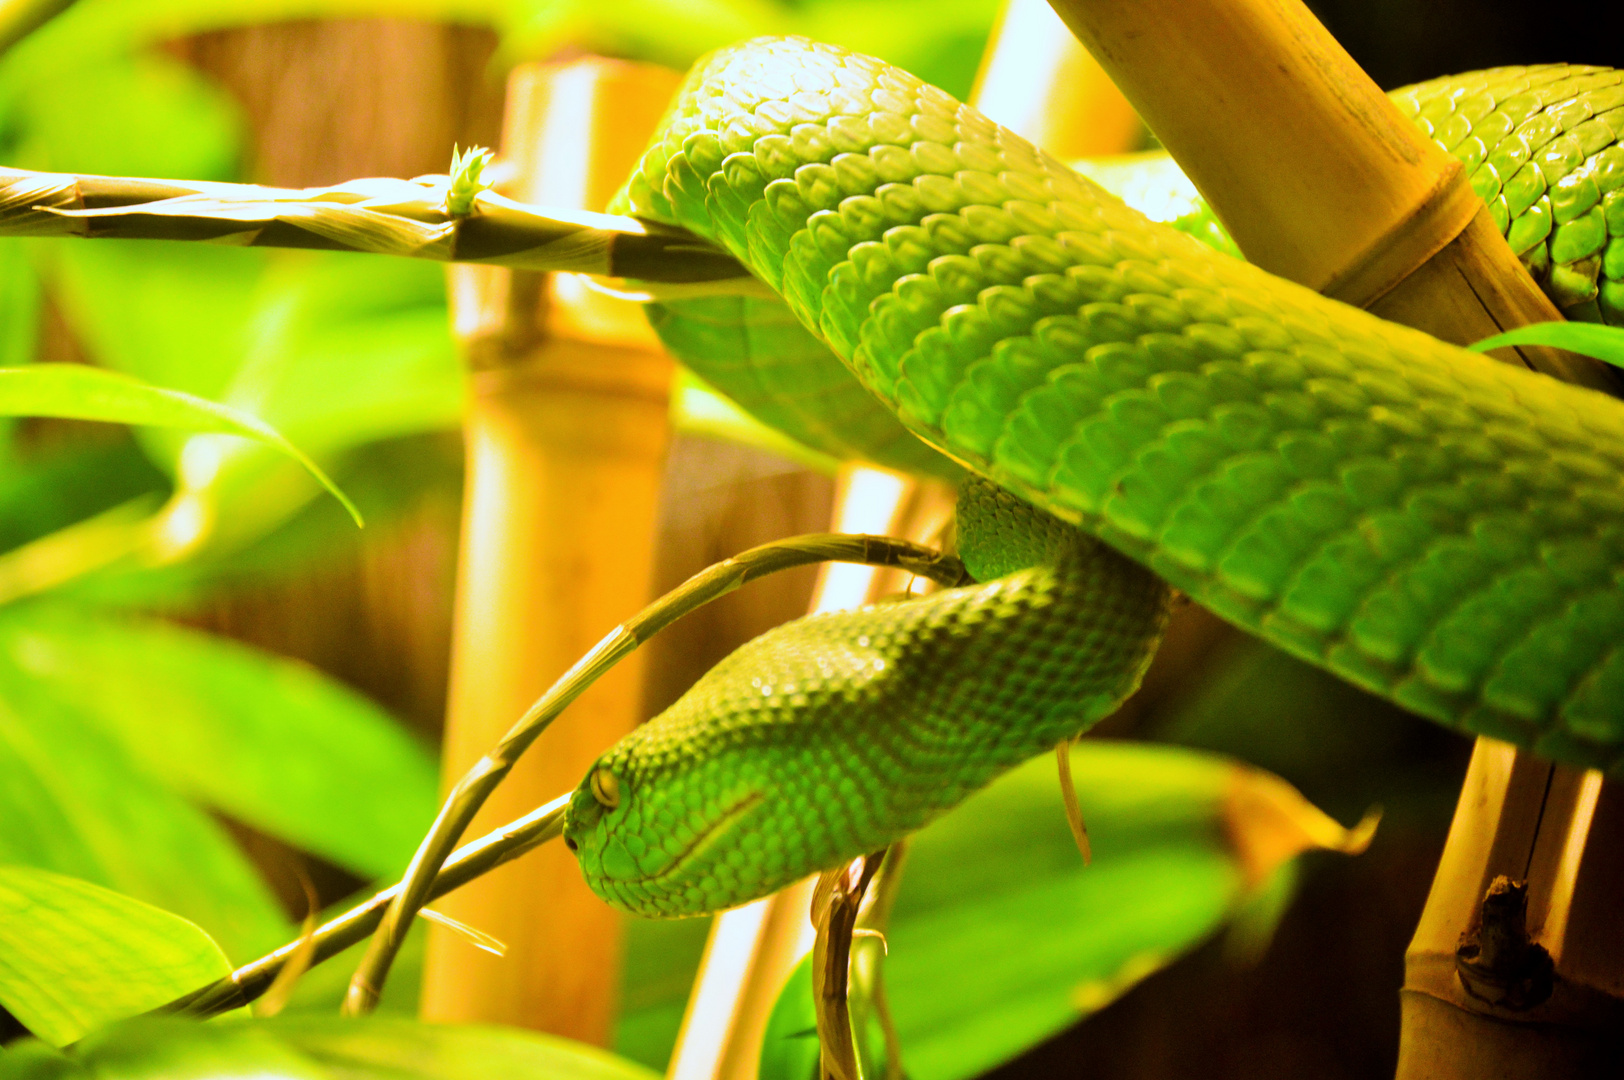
(384, 216)
(470, 861)
(477, 784)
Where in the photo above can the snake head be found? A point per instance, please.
(664, 842)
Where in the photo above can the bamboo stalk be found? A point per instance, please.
(566, 433)
(1551, 1006)
(1038, 81)
(1316, 174)
(380, 215)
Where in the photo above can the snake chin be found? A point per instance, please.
(682, 879)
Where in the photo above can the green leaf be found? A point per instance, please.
(661, 959)
(75, 956)
(80, 392)
(328, 1048)
(1001, 938)
(69, 794)
(348, 350)
(697, 408)
(75, 483)
(144, 115)
(407, 1050)
(269, 741)
(1586, 339)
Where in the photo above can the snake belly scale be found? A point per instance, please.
(1431, 525)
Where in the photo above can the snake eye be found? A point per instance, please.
(605, 787)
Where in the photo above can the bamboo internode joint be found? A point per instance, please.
(1438, 217)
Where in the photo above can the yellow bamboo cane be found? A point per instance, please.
(566, 433)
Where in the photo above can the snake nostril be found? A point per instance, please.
(569, 843)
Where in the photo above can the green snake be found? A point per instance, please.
(1135, 411)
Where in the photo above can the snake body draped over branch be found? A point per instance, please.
(1438, 528)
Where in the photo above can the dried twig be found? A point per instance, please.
(478, 783)
(835, 905)
(470, 861)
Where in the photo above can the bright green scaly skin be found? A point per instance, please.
(837, 734)
(1439, 528)
(1541, 146)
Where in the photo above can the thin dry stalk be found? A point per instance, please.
(254, 979)
(476, 786)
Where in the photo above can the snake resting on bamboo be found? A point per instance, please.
(1127, 411)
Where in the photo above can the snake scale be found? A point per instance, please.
(1134, 410)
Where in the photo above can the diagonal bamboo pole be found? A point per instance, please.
(1321, 180)
(1316, 174)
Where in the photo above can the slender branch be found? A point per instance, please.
(19, 18)
(476, 786)
(493, 849)
(392, 217)
(836, 903)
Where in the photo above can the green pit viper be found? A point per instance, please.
(1128, 411)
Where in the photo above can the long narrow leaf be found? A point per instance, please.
(268, 740)
(72, 801)
(75, 956)
(1587, 339)
(80, 392)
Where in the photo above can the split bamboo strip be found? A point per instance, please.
(566, 433)
(381, 215)
(1316, 174)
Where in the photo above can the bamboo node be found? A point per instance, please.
(1496, 961)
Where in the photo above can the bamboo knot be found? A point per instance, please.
(1496, 961)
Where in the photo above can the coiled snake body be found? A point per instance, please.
(1436, 527)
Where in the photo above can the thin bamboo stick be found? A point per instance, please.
(472, 860)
